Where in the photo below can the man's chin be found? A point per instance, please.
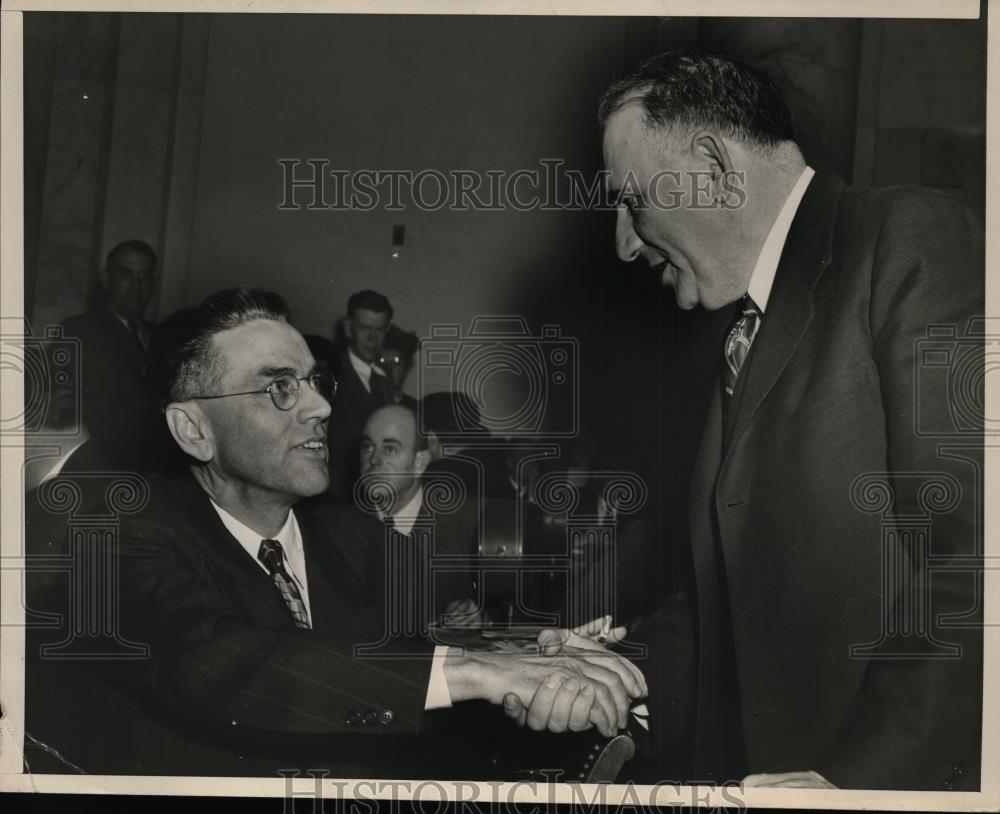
(314, 482)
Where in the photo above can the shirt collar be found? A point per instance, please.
(118, 316)
(404, 519)
(762, 279)
(289, 535)
(363, 369)
(41, 468)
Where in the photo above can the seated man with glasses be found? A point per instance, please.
(117, 408)
(252, 603)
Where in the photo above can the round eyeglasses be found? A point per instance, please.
(284, 390)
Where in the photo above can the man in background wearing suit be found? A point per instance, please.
(834, 634)
(361, 385)
(252, 609)
(118, 409)
(433, 522)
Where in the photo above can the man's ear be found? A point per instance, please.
(348, 328)
(191, 430)
(709, 150)
(434, 446)
(421, 461)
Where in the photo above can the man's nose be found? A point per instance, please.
(312, 403)
(627, 242)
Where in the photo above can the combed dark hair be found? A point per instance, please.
(369, 301)
(699, 89)
(137, 246)
(181, 362)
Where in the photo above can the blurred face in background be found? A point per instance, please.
(393, 363)
(366, 332)
(128, 280)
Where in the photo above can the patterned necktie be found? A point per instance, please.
(273, 557)
(739, 339)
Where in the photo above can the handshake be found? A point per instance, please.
(569, 681)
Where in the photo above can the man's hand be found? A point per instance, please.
(463, 613)
(567, 704)
(787, 780)
(517, 678)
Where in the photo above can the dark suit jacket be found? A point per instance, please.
(808, 510)
(351, 407)
(117, 406)
(432, 566)
(231, 686)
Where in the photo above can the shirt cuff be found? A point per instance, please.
(640, 713)
(438, 696)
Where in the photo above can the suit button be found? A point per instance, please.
(371, 717)
(353, 718)
(386, 717)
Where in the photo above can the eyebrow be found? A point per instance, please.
(273, 372)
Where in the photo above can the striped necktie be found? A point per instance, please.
(273, 557)
(739, 339)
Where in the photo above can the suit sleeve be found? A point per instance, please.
(916, 720)
(668, 664)
(208, 659)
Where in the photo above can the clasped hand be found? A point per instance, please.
(585, 684)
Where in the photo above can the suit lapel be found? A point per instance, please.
(338, 566)
(807, 253)
(123, 337)
(231, 566)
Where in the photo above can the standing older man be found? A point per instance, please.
(835, 635)
(252, 609)
(118, 409)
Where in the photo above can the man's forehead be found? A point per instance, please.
(130, 259)
(627, 125)
(370, 317)
(262, 344)
(629, 142)
(391, 423)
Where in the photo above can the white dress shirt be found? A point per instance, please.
(291, 542)
(290, 538)
(762, 279)
(404, 519)
(363, 369)
(45, 455)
